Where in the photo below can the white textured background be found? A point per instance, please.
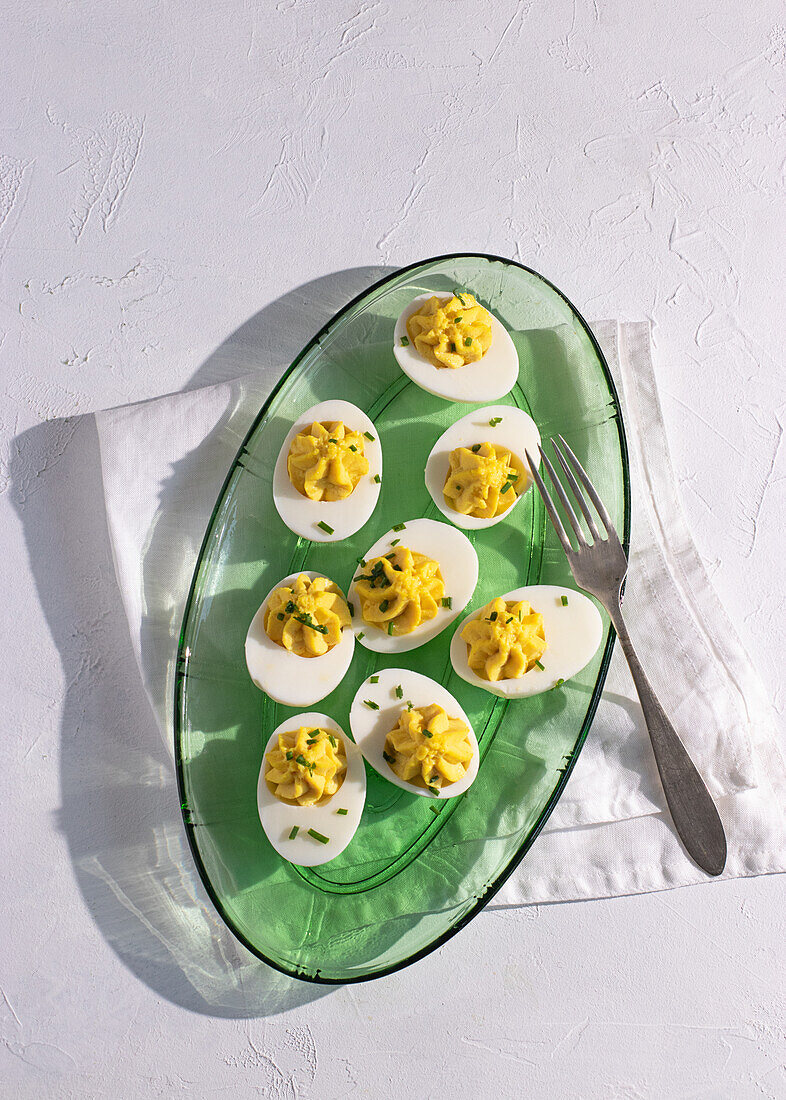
(171, 172)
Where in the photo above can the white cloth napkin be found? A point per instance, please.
(163, 464)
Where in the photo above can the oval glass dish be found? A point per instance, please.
(410, 878)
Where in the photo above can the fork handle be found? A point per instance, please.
(692, 809)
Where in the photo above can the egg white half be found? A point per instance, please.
(284, 676)
(517, 431)
(487, 380)
(458, 564)
(370, 727)
(278, 817)
(573, 634)
(302, 515)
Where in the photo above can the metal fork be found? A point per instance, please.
(600, 567)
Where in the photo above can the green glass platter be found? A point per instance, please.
(409, 878)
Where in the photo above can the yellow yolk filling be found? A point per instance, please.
(326, 461)
(307, 768)
(307, 617)
(428, 748)
(505, 640)
(399, 591)
(450, 332)
(483, 480)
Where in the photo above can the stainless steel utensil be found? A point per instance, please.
(600, 567)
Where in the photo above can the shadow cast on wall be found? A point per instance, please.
(119, 804)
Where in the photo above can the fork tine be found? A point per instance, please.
(576, 491)
(563, 497)
(552, 511)
(600, 507)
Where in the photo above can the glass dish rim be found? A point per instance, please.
(182, 659)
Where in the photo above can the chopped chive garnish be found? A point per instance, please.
(386, 756)
(352, 447)
(434, 790)
(493, 617)
(447, 601)
(368, 435)
(319, 836)
(467, 341)
(513, 476)
(301, 760)
(399, 527)
(564, 601)
(312, 740)
(452, 346)
(399, 692)
(475, 448)
(384, 605)
(332, 441)
(351, 607)
(458, 320)
(398, 569)
(409, 704)
(294, 832)
(290, 607)
(506, 486)
(434, 809)
(378, 479)
(361, 562)
(371, 704)
(280, 616)
(361, 635)
(494, 421)
(427, 733)
(325, 527)
(290, 754)
(373, 679)
(540, 666)
(558, 683)
(332, 740)
(458, 488)
(395, 542)
(390, 627)
(460, 297)
(342, 812)
(404, 342)
(510, 620)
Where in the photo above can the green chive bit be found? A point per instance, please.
(409, 705)
(475, 448)
(434, 809)
(319, 836)
(384, 606)
(280, 616)
(352, 447)
(506, 486)
(386, 756)
(373, 679)
(371, 704)
(295, 831)
(301, 760)
(447, 601)
(399, 692)
(558, 684)
(325, 527)
(290, 754)
(513, 476)
(458, 320)
(361, 635)
(494, 421)
(540, 666)
(427, 733)
(290, 607)
(460, 297)
(390, 627)
(404, 342)
(342, 812)
(378, 479)
(399, 527)
(467, 341)
(493, 617)
(564, 601)
(434, 790)
(351, 607)
(368, 435)
(452, 346)
(333, 441)
(332, 741)
(312, 740)
(395, 542)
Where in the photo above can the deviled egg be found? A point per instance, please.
(414, 733)
(451, 346)
(475, 472)
(527, 641)
(328, 474)
(300, 642)
(411, 584)
(311, 790)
